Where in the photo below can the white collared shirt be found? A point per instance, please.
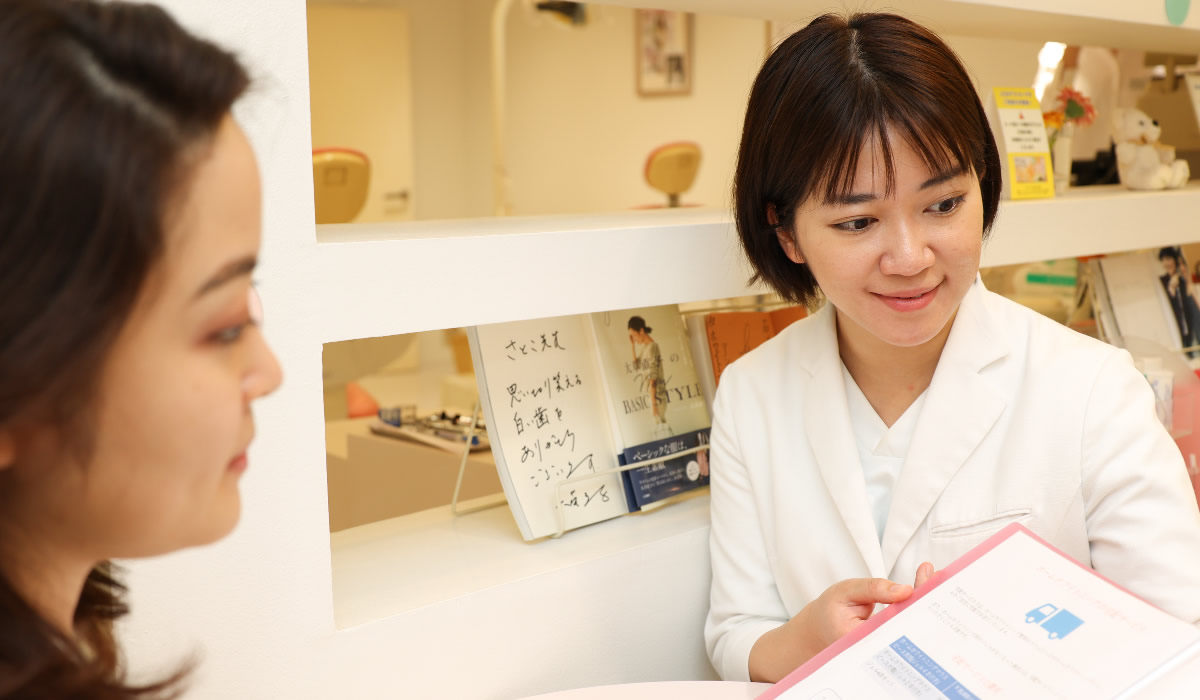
(881, 450)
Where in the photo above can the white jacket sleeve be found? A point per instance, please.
(744, 602)
(1143, 523)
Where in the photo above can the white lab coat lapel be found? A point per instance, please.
(961, 406)
(827, 421)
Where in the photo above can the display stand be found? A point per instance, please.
(462, 468)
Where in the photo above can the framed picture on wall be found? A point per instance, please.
(663, 42)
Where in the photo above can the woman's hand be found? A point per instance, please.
(842, 607)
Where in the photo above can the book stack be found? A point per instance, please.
(720, 337)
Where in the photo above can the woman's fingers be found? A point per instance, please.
(924, 571)
(861, 591)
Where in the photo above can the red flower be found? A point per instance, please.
(1076, 107)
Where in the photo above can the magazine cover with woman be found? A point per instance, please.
(655, 400)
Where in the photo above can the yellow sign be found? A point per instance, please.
(1024, 143)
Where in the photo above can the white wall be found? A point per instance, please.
(450, 121)
(995, 63)
(451, 146)
(579, 133)
(366, 110)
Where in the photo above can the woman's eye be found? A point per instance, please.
(855, 225)
(230, 335)
(947, 205)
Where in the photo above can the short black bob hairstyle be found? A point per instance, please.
(823, 93)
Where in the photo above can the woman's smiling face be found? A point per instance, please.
(894, 265)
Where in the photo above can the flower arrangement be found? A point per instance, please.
(1071, 108)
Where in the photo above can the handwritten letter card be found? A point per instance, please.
(541, 392)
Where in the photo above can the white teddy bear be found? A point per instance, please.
(1143, 162)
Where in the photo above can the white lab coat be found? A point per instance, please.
(1024, 421)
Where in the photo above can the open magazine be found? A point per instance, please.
(1012, 618)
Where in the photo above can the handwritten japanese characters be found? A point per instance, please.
(546, 408)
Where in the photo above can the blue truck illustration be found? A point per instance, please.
(1058, 622)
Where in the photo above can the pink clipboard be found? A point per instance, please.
(810, 666)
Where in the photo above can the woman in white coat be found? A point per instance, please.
(916, 413)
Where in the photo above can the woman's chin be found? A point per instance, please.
(910, 337)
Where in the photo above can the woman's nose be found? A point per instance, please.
(264, 373)
(907, 252)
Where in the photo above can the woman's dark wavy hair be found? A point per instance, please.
(822, 94)
(104, 108)
(638, 324)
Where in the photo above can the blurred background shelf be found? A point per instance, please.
(1135, 24)
(496, 270)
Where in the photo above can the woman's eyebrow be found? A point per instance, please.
(864, 197)
(853, 199)
(943, 177)
(229, 271)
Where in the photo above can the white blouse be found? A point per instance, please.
(881, 450)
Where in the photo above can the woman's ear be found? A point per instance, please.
(787, 240)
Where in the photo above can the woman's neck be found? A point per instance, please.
(889, 376)
(49, 583)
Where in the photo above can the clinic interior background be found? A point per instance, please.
(408, 82)
(284, 608)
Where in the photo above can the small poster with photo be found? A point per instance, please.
(1181, 297)
(663, 43)
(1016, 120)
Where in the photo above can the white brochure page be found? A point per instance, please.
(1179, 679)
(1020, 621)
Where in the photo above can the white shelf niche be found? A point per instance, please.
(394, 566)
(1129, 24)
(407, 277)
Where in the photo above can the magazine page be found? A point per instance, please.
(1013, 618)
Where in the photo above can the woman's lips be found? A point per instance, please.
(238, 464)
(909, 300)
